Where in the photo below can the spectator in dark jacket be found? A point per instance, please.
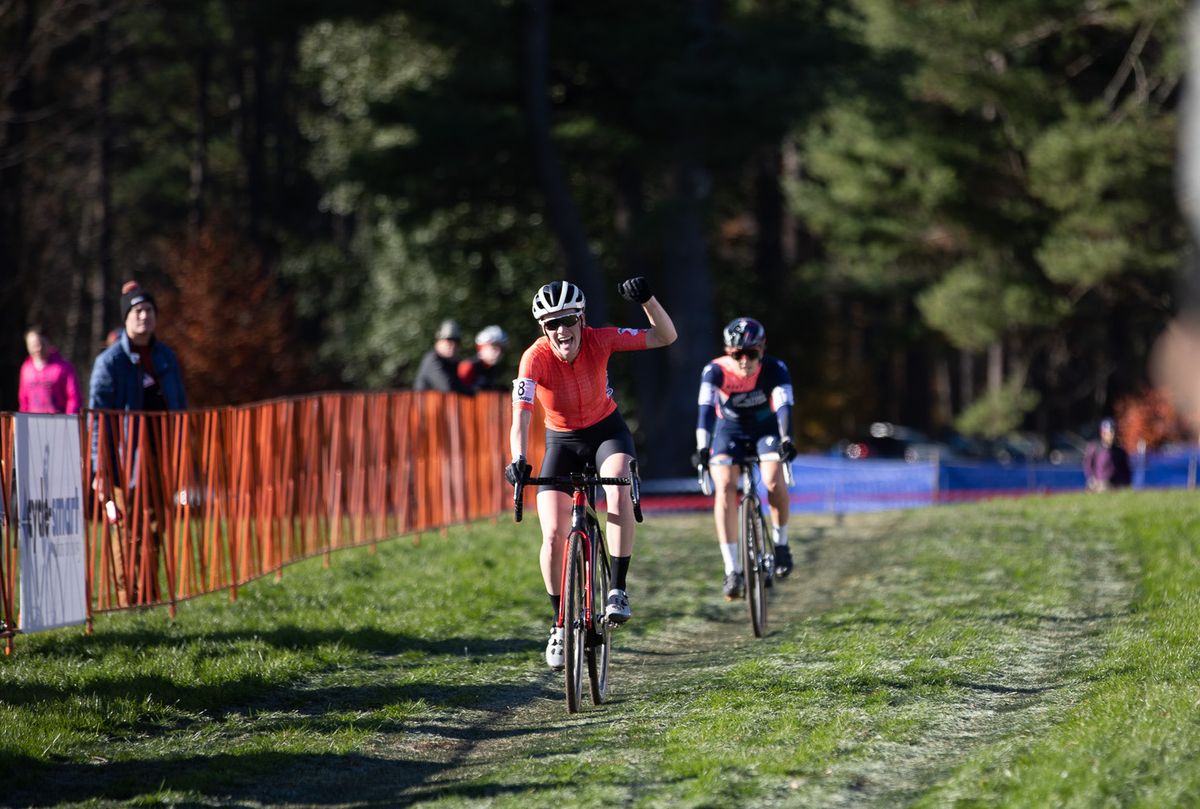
(138, 372)
(1105, 462)
(439, 367)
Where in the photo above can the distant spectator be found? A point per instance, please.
(479, 373)
(439, 367)
(138, 372)
(1105, 462)
(48, 383)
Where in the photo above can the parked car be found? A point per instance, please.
(1066, 448)
(884, 440)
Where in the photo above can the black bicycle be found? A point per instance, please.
(587, 633)
(756, 551)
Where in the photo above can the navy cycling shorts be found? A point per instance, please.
(732, 442)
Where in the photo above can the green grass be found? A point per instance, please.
(1040, 652)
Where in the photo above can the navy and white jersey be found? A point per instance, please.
(752, 402)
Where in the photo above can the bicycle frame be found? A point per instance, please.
(586, 635)
(582, 508)
(754, 547)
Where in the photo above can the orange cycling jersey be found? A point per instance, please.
(575, 394)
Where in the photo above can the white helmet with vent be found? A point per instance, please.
(491, 335)
(555, 297)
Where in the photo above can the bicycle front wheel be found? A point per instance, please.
(754, 563)
(599, 646)
(574, 631)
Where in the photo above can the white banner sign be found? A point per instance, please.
(50, 511)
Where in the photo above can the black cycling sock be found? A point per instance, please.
(620, 567)
(554, 606)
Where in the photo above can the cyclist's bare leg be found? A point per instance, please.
(777, 492)
(725, 477)
(620, 527)
(554, 513)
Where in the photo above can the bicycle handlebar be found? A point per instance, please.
(704, 478)
(580, 481)
(577, 481)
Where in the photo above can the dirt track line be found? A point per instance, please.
(530, 716)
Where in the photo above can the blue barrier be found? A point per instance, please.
(838, 485)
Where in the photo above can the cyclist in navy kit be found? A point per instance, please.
(746, 409)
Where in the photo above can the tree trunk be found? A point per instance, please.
(769, 215)
(256, 159)
(103, 308)
(688, 296)
(17, 106)
(897, 394)
(649, 367)
(995, 377)
(943, 413)
(966, 379)
(790, 169)
(561, 213)
(199, 168)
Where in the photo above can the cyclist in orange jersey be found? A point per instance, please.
(566, 369)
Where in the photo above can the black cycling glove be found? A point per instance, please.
(635, 289)
(787, 451)
(517, 471)
(700, 457)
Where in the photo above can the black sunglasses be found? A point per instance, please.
(567, 322)
(748, 353)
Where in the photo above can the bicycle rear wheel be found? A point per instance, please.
(599, 648)
(574, 631)
(754, 563)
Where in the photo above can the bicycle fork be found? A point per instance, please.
(578, 525)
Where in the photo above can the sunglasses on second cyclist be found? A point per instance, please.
(566, 322)
(745, 353)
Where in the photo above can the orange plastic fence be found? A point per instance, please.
(194, 502)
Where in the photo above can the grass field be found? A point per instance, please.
(1027, 653)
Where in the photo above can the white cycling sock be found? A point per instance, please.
(780, 534)
(729, 553)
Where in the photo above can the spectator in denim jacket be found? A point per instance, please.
(138, 372)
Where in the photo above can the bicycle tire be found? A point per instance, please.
(752, 563)
(599, 647)
(574, 633)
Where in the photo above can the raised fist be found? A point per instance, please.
(635, 289)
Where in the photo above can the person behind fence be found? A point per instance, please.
(136, 373)
(47, 383)
(745, 409)
(481, 371)
(1105, 461)
(439, 367)
(566, 369)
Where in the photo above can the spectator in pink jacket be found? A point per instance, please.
(48, 382)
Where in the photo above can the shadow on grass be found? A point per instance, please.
(371, 640)
(250, 779)
(233, 695)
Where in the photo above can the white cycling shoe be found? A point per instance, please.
(554, 649)
(616, 607)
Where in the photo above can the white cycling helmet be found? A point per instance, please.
(491, 335)
(555, 297)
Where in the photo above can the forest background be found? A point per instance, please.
(948, 214)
